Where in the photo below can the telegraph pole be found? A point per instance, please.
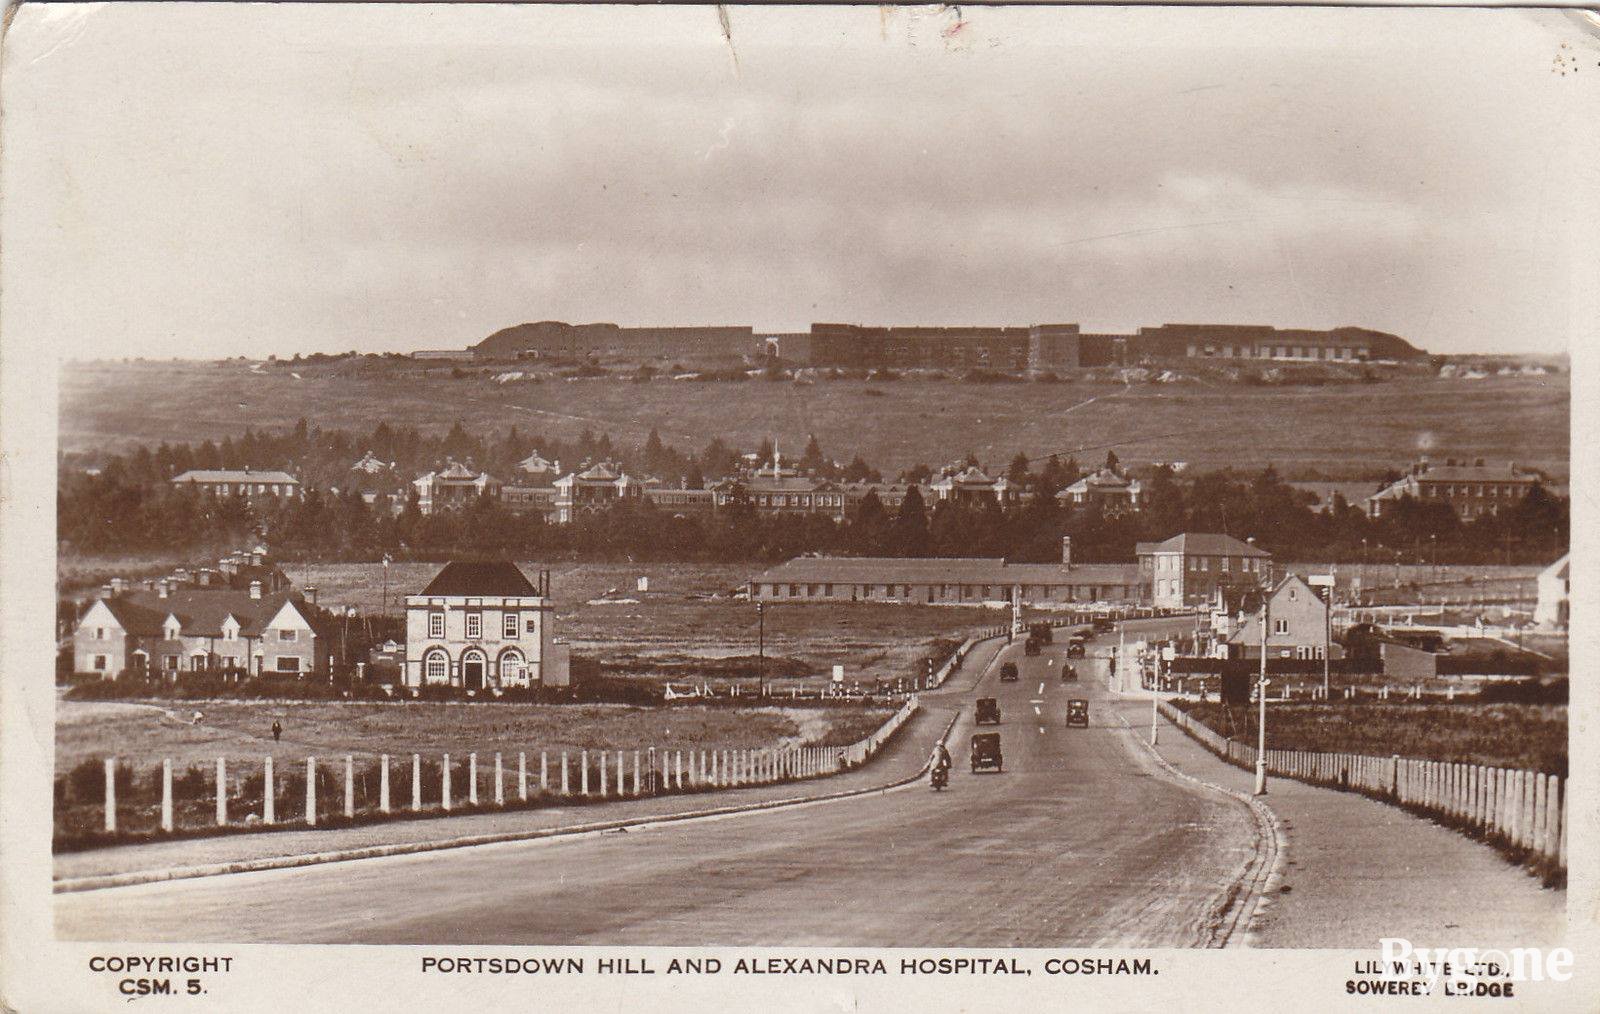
(1261, 695)
(1327, 639)
(1155, 681)
(761, 649)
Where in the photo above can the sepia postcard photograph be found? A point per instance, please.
(819, 507)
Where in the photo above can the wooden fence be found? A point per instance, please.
(502, 779)
(1521, 810)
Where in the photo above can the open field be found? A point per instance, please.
(144, 734)
(1526, 736)
(1343, 430)
(677, 619)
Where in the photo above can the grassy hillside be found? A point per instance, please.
(1346, 429)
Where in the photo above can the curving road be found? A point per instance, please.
(1082, 840)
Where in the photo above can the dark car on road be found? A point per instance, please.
(1030, 647)
(1077, 713)
(988, 711)
(1008, 672)
(1077, 648)
(1068, 674)
(986, 752)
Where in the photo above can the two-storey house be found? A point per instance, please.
(482, 626)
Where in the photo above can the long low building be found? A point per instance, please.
(943, 581)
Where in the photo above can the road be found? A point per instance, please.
(1082, 840)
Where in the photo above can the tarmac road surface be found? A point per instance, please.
(1082, 840)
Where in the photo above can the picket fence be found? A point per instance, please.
(590, 774)
(1525, 810)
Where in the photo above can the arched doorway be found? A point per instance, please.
(473, 665)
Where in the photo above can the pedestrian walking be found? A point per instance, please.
(277, 730)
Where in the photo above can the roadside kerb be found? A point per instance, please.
(1523, 813)
(100, 881)
(1261, 883)
(411, 848)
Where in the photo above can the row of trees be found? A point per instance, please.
(116, 512)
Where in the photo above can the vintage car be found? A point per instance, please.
(1077, 713)
(1068, 674)
(1008, 672)
(1030, 647)
(1077, 649)
(986, 751)
(988, 711)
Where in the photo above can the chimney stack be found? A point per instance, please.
(255, 589)
(311, 594)
(117, 585)
(161, 588)
(106, 591)
(1066, 551)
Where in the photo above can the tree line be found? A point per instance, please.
(126, 505)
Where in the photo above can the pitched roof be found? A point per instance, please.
(1354, 493)
(200, 611)
(494, 577)
(1202, 544)
(232, 475)
(943, 570)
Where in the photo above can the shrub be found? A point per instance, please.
(1524, 692)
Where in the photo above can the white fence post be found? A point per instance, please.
(566, 785)
(636, 781)
(522, 775)
(166, 795)
(604, 754)
(349, 785)
(472, 779)
(311, 792)
(269, 795)
(383, 783)
(622, 774)
(222, 792)
(111, 794)
(544, 771)
(444, 783)
(416, 782)
(677, 764)
(583, 771)
(499, 781)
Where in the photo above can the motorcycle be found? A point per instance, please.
(940, 777)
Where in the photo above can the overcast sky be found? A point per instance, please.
(210, 181)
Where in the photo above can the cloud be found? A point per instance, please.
(321, 178)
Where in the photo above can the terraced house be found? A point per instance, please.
(172, 630)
